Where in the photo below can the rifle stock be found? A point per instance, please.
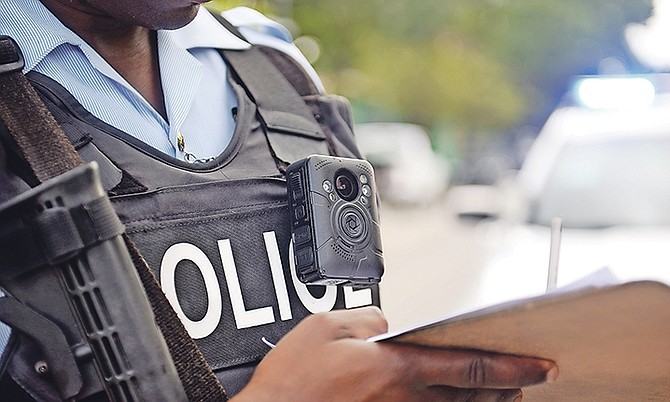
(86, 329)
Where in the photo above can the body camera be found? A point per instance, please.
(335, 221)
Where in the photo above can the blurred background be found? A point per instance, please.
(487, 119)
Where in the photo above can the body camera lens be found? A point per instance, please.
(345, 185)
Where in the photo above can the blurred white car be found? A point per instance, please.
(604, 169)
(407, 170)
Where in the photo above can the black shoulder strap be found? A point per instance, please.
(279, 104)
(277, 85)
(280, 84)
(49, 153)
(285, 63)
(291, 125)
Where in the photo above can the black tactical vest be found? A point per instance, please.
(217, 233)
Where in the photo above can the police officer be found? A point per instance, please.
(146, 78)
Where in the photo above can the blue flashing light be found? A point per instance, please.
(615, 92)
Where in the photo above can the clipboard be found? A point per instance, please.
(610, 343)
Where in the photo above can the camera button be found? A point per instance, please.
(300, 212)
(304, 256)
(352, 224)
(302, 235)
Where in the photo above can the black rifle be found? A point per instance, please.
(87, 330)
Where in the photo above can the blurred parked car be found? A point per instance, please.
(407, 170)
(603, 167)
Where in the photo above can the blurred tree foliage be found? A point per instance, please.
(478, 65)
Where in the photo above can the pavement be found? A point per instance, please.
(431, 264)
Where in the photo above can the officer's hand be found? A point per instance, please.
(326, 358)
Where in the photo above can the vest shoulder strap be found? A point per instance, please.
(283, 87)
(289, 68)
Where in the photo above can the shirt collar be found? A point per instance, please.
(35, 29)
(206, 32)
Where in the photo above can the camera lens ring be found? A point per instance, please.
(346, 185)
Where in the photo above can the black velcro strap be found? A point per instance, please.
(98, 216)
(57, 234)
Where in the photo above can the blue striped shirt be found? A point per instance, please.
(198, 99)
